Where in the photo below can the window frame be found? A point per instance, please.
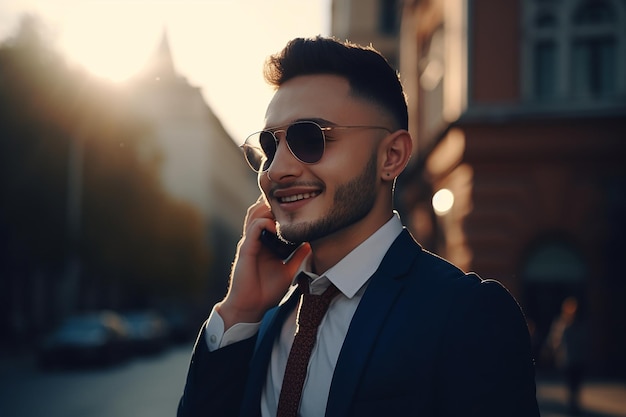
(565, 34)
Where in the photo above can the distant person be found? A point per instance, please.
(406, 332)
(568, 339)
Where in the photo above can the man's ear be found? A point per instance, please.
(395, 151)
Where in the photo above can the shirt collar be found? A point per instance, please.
(355, 269)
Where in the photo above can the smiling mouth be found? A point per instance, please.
(297, 197)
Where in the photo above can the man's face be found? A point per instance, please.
(312, 201)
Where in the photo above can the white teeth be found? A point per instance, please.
(292, 198)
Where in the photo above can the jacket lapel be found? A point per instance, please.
(270, 327)
(383, 288)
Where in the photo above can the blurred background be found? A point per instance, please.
(122, 190)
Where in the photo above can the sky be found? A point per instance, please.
(218, 45)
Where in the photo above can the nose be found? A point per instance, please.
(284, 165)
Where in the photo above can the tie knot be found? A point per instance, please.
(304, 286)
(303, 283)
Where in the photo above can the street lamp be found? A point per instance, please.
(443, 200)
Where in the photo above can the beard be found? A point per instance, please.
(353, 200)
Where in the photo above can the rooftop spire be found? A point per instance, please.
(161, 64)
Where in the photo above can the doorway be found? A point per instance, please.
(552, 271)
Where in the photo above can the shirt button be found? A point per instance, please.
(213, 338)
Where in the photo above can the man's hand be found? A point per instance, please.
(259, 279)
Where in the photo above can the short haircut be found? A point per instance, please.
(368, 72)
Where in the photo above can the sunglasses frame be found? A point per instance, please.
(323, 129)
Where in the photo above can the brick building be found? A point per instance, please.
(518, 109)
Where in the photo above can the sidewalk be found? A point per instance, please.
(599, 398)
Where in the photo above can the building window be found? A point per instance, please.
(594, 50)
(545, 69)
(574, 50)
(593, 68)
(389, 17)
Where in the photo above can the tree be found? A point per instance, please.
(133, 237)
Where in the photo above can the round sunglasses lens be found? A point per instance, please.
(268, 148)
(259, 149)
(306, 141)
(253, 157)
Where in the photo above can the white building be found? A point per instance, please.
(201, 164)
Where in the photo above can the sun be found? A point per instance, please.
(216, 45)
(112, 40)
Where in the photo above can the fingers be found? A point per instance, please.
(259, 279)
(258, 217)
(259, 207)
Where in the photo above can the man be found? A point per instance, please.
(408, 334)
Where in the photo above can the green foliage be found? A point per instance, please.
(130, 233)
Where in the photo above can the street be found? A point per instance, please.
(599, 398)
(147, 386)
(151, 387)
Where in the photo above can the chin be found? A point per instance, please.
(294, 232)
(289, 233)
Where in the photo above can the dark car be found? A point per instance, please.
(93, 339)
(147, 330)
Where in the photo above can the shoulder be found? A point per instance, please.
(406, 257)
(423, 271)
(443, 279)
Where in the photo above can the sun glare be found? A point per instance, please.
(110, 40)
(216, 45)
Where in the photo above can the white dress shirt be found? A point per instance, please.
(350, 276)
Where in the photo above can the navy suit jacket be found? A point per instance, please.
(426, 340)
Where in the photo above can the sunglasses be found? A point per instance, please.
(306, 141)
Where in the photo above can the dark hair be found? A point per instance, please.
(368, 72)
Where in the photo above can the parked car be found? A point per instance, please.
(91, 339)
(181, 326)
(147, 331)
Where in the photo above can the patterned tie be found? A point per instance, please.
(310, 313)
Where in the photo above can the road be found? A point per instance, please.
(141, 387)
(599, 398)
(151, 387)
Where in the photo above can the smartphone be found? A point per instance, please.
(283, 250)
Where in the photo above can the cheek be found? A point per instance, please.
(265, 186)
(263, 183)
(345, 164)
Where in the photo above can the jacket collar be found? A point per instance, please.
(382, 291)
(383, 288)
